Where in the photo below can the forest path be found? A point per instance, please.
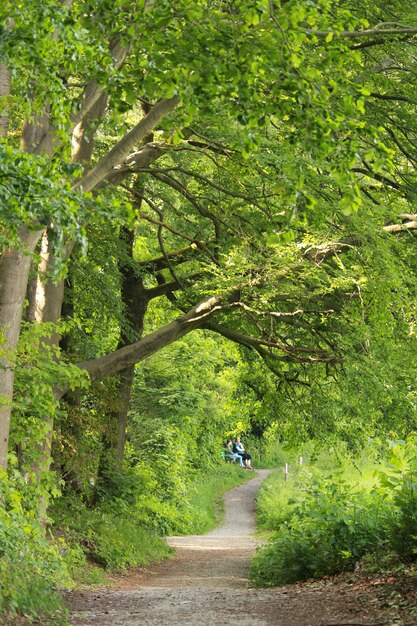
(206, 583)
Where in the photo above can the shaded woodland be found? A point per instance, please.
(207, 216)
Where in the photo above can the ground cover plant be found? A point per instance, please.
(326, 519)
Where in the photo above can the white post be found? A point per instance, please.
(286, 472)
(300, 460)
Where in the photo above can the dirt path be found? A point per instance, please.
(206, 583)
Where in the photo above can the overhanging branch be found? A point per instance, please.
(140, 350)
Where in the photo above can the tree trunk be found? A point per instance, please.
(46, 307)
(83, 134)
(14, 272)
(37, 136)
(125, 391)
(135, 301)
(5, 85)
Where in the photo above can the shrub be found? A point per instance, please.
(399, 478)
(326, 529)
(110, 535)
(31, 567)
(327, 521)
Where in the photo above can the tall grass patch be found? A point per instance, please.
(204, 509)
(324, 519)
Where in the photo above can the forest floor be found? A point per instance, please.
(206, 583)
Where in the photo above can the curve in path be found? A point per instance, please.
(206, 583)
(203, 565)
(221, 557)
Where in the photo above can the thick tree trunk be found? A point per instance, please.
(135, 302)
(83, 134)
(47, 308)
(48, 294)
(36, 134)
(125, 392)
(14, 271)
(5, 85)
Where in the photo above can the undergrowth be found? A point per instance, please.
(82, 542)
(126, 530)
(331, 515)
(31, 567)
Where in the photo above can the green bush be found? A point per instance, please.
(399, 478)
(118, 542)
(325, 529)
(326, 521)
(110, 535)
(31, 567)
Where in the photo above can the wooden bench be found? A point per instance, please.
(226, 457)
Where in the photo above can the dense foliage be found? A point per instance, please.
(331, 517)
(228, 188)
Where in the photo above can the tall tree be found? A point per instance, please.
(262, 133)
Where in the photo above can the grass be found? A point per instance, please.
(331, 513)
(205, 508)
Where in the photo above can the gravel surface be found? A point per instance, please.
(206, 582)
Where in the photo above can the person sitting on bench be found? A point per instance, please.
(232, 456)
(239, 448)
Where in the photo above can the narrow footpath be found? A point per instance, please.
(206, 583)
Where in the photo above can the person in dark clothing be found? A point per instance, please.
(233, 456)
(239, 448)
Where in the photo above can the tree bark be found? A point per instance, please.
(5, 84)
(135, 303)
(37, 135)
(14, 272)
(83, 134)
(125, 391)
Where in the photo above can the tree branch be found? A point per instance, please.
(229, 192)
(376, 176)
(93, 91)
(291, 353)
(396, 228)
(385, 28)
(121, 150)
(194, 242)
(175, 184)
(127, 356)
(138, 161)
(159, 263)
(162, 289)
